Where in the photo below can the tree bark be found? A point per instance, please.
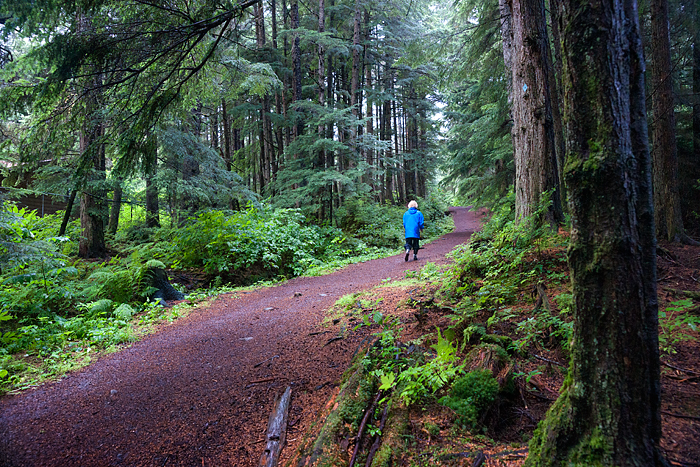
(695, 158)
(667, 202)
(93, 209)
(116, 207)
(228, 157)
(66, 216)
(151, 168)
(279, 96)
(296, 63)
(355, 84)
(555, 71)
(369, 113)
(533, 130)
(321, 77)
(608, 412)
(506, 11)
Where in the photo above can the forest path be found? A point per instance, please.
(193, 393)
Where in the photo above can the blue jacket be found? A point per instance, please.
(413, 223)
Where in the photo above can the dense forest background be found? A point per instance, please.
(182, 107)
(262, 139)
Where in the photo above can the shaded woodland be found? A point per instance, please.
(208, 118)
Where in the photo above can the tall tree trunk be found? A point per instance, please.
(116, 207)
(66, 215)
(279, 97)
(214, 130)
(555, 71)
(506, 10)
(151, 166)
(287, 88)
(533, 131)
(228, 157)
(93, 209)
(369, 113)
(695, 161)
(355, 84)
(667, 201)
(265, 129)
(321, 77)
(386, 134)
(609, 409)
(296, 63)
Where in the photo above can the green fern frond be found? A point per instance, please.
(154, 263)
(103, 306)
(124, 312)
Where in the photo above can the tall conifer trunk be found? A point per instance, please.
(279, 96)
(533, 132)
(116, 207)
(227, 135)
(93, 209)
(92, 203)
(667, 202)
(355, 84)
(151, 168)
(695, 161)
(296, 63)
(609, 409)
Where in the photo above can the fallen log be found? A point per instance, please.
(276, 430)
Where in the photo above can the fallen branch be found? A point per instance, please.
(677, 415)
(690, 372)
(548, 360)
(479, 459)
(688, 293)
(333, 339)
(271, 358)
(377, 442)
(258, 381)
(276, 430)
(360, 431)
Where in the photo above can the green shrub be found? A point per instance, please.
(259, 242)
(471, 396)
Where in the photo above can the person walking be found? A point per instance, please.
(413, 224)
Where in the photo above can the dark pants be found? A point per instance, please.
(412, 244)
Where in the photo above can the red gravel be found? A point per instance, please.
(192, 394)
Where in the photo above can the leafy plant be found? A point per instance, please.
(674, 324)
(421, 381)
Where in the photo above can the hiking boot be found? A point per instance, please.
(415, 257)
(405, 258)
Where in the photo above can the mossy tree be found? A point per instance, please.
(608, 412)
(531, 91)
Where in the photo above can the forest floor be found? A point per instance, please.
(200, 390)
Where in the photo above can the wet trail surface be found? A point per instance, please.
(199, 391)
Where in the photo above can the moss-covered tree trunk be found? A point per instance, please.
(533, 123)
(608, 412)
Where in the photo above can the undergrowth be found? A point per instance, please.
(57, 310)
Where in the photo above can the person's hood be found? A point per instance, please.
(412, 210)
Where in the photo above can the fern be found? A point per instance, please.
(101, 307)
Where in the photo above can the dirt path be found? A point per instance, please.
(193, 394)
